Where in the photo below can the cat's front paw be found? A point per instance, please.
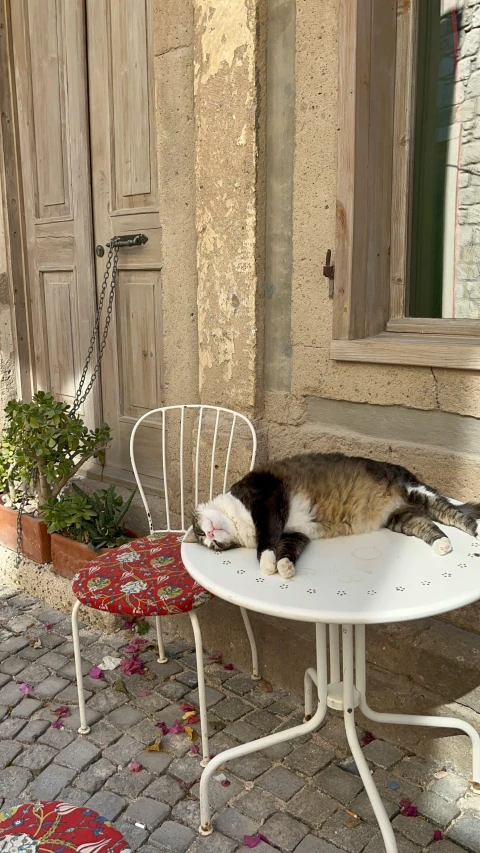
(442, 546)
(285, 568)
(268, 562)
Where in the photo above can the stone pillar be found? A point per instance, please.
(230, 199)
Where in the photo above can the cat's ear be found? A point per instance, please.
(190, 536)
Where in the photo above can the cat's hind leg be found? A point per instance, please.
(288, 551)
(413, 521)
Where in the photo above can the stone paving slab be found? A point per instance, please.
(294, 793)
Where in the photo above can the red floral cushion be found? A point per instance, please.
(57, 828)
(145, 577)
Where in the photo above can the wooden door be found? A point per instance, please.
(49, 54)
(125, 201)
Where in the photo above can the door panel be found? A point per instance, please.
(50, 70)
(125, 201)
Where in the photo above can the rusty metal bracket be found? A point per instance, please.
(329, 272)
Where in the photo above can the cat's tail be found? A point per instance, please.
(463, 516)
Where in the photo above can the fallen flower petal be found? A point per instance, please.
(96, 672)
(215, 657)
(225, 783)
(404, 804)
(48, 627)
(57, 724)
(185, 706)
(163, 726)
(367, 738)
(194, 750)
(109, 663)
(154, 747)
(135, 766)
(27, 689)
(191, 733)
(176, 729)
(190, 713)
(194, 719)
(132, 666)
(61, 712)
(437, 835)
(229, 666)
(142, 693)
(252, 841)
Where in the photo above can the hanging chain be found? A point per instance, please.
(81, 392)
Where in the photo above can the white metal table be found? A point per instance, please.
(345, 584)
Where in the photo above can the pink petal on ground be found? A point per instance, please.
(437, 835)
(194, 719)
(176, 729)
(27, 689)
(144, 693)
(229, 666)
(215, 657)
(163, 726)
(61, 711)
(367, 738)
(404, 804)
(194, 750)
(225, 783)
(57, 724)
(132, 666)
(135, 766)
(187, 707)
(251, 840)
(48, 627)
(96, 672)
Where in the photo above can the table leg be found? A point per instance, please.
(349, 717)
(410, 719)
(270, 740)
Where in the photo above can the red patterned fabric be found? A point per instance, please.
(145, 577)
(57, 828)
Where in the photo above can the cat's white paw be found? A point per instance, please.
(442, 546)
(286, 568)
(268, 562)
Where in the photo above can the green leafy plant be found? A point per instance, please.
(44, 445)
(95, 518)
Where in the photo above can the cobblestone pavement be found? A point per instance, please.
(301, 797)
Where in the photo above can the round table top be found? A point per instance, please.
(369, 579)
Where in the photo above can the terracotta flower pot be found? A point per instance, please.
(35, 536)
(69, 556)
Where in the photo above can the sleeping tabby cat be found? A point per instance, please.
(279, 507)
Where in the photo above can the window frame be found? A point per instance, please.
(377, 46)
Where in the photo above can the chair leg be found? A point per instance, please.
(84, 729)
(253, 646)
(201, 686)
(162, 658)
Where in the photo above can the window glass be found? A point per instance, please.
(445, 202)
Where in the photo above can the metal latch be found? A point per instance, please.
(329, 272)
(127, 240)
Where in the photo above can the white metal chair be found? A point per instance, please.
(92, 585)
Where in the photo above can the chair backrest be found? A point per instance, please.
(202, 440)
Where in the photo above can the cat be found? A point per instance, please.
(279, 507)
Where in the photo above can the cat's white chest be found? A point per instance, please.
(301, 518)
